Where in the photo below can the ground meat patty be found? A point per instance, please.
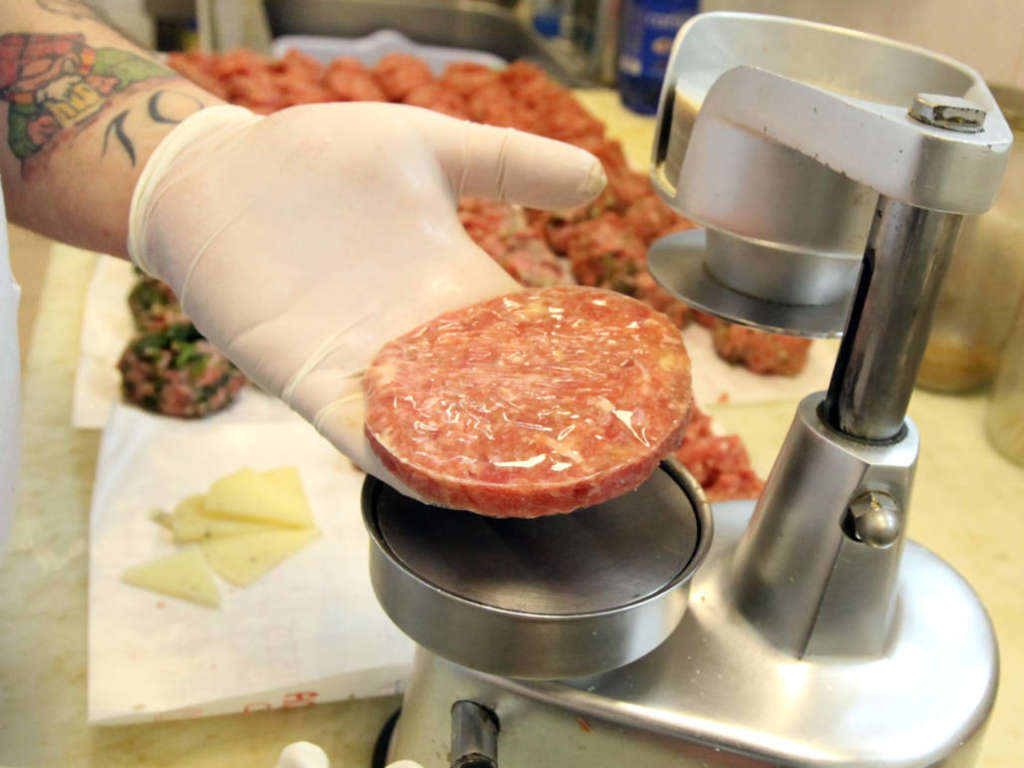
(178, 373)
(346, 84)
(760, 352)
(154, 306)
(530, 404)
(465, 78)
(399, 73)
(504, 231)
(438, 98)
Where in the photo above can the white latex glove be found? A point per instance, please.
(302, 754)
(299, 243)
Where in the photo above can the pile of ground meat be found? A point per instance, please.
(757, 351)
(602, 244)
(720, 463)
(177, 372)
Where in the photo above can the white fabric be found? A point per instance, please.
(10, 373)
(301, 242)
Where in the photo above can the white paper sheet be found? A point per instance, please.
(107, 328)
(309, 630)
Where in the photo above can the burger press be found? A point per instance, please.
(831, 171)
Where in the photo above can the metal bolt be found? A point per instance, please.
(874, 518)
(950, 112)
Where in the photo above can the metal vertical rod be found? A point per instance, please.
(474, 736)
(908, 253)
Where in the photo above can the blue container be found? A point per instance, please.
(646, 33)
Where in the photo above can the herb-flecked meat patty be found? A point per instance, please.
(177, 372)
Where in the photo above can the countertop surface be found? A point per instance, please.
(967, 507)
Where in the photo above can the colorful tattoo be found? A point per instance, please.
(54, 83)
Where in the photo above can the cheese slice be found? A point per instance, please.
(189, 523)
(184, 574)
(253, 496)
(243, 559)
(191, 527)
(287, 479)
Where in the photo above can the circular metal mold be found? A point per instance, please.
(677, 262)
(548, 598)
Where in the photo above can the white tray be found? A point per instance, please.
(373, 47)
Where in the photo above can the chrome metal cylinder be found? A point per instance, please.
(907, 255)
(474, 736)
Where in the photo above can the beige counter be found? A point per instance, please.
(967, 507)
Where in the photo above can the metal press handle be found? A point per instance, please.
(474, 736)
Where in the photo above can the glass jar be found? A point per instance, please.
(978, 300)
(1005, 420)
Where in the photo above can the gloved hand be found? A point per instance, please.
(302, 754)
(299, 243)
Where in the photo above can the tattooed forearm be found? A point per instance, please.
(56, 84)
(164, 106)
(171, 106)
(82, 109)
(116, 127)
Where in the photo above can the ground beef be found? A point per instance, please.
(438, 98)
(603, 252)
(352, 85)
(650, 218)
(466, 78)
(704, 319)
(178, 373)
(497, 408)
(720, 463)
(760, 352)
(398, 74)
(505, 233)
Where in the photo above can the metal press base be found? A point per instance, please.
(716, 694)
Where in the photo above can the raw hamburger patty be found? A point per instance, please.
(530, 404)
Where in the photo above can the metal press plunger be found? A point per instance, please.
(831, 171)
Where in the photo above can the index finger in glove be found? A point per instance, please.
(514, 166)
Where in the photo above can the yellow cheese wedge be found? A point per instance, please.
(191, 527)
(189, 523)
(243, 559)
(184, 574)
(252, 496)
(285, 478)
